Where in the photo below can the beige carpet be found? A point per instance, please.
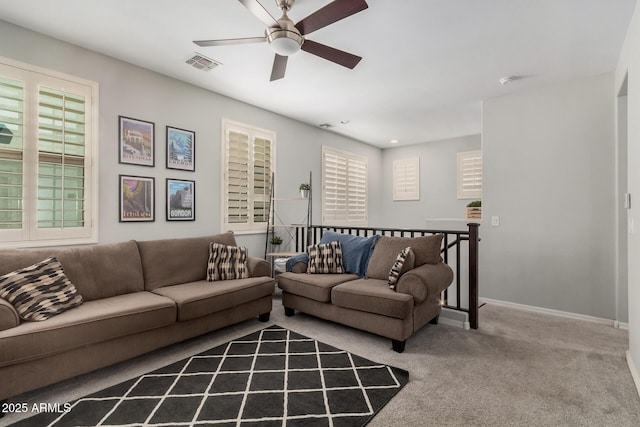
(518, 369)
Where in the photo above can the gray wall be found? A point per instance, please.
(549, 175)
(135, 92)
(438, 183)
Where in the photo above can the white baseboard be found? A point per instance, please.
(455, 318)
(569, 315)
(634, 372)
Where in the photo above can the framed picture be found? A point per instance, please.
(137, 142)
(181, 149)
(137, 198)
(181, 200)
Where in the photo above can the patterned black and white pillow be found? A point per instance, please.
(39, 291)
(227, 262)
(325, 258)
(396, 269)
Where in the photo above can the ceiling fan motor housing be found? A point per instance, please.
(285, 40)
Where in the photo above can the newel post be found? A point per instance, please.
(473, 274)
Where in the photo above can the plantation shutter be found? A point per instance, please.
(470, 174)
(247, 182)
(237, 178)
(261, 179)
(11, 153)
(47, 156)
(406, 179)
(61, 159)
(344, 188)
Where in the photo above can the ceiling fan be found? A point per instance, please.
(287, 38)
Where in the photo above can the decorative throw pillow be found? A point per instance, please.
(396, 269)
(325, 258)
(227, 262)
(39, 291)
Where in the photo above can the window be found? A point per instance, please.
(470, 174)
(344, 188)
(47, 157)
(248, 160)
(406, 179)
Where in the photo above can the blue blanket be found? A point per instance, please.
(356, 251)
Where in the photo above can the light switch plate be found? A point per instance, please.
(495, 221)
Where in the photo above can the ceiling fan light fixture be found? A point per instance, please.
(284, 42)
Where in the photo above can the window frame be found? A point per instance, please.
(253, 133)
(30, 235)
(352, 215)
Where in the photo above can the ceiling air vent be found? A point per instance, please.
(201, 62)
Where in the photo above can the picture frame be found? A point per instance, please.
(181, 149)
(137, 141)
(137, 198)
(181, 200)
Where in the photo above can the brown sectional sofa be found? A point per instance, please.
(368, 303)
(138, 296)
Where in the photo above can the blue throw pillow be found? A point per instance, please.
(356, 250)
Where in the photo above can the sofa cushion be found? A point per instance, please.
(356, 250)
(97, 271)
(39, 291)
(403, 260)
(174, 261)
(325, 258)
(197, 299)
(8, 316)
(313, 286)
(426, 250)
(227, 262)
(92, 322)
(372, 296)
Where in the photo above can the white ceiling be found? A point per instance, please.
(427, 64)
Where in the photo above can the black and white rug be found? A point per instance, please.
(273, 377)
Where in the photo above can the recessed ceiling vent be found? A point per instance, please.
(203, 63)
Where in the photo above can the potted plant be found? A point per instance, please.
(304, 189)
(474, 210)
(276, 240)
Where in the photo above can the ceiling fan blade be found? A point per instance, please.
(329, 53)
(333, 12)
(279, 67)
(260, 12)
(226, 42)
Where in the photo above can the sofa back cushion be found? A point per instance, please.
(426, 250)
(174, 261)
(97, 271)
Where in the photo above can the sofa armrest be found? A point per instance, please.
(299, 267)
(8, 316)
(425, 282)
(258, 267)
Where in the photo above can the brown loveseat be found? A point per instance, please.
(368, 303)
(138, 296)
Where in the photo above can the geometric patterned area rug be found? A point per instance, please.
(272, 377)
